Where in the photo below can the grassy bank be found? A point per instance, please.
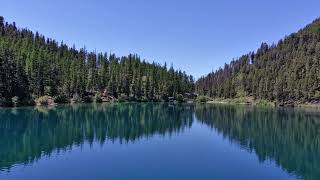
(261, 102)
(243, 101)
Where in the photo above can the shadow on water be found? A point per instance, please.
(290, 138)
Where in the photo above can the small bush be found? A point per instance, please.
(62, 99)
(122, 98)
(27, 102)
(97, 98)
(317, 95)
(44, 101)
(239, 100)
(156, 100)
(6, 102)
(203, 99)
(87, 99)
(132, 99)
(15, 100)
(264, 103)
(18, 101)
(76, 99)
(22, 101)
(180, 98)
(144, 99)
(164, 98)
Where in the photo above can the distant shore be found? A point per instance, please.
(248, 101)
(50, 101)
(251, 102)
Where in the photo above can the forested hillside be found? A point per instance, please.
(288, 71)
(32, 65)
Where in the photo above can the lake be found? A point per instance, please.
(159, 141)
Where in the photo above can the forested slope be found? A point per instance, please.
(288, 71)
(32, 65)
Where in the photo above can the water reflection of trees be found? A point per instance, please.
(26, 134)
(289, 137)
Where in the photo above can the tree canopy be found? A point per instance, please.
(32, 65)
(282, 72)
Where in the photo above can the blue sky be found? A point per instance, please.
(197, 36)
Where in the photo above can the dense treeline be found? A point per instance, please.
(286, 72)
(32, 66)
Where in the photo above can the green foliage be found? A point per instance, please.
(97, 98)
(317, 95)
(6, 102)
(76, 99)
(87, 99)
(122, 98)
(180, 98)
(32, 65)
(26, 102)
(264, 103)
(61, 99)
(144, 99)
(203, 99)
(15, 100)
(285, 72)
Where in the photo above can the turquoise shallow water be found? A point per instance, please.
(159, 141)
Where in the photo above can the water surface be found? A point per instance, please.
(159, 141)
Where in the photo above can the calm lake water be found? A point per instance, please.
(159, 141)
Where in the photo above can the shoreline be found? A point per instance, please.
(264, 104)
(221, 102)
(96, 103)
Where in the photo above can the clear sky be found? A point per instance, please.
(197, 36)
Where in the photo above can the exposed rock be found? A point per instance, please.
(45, 101)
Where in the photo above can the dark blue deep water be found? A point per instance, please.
(159, 141)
